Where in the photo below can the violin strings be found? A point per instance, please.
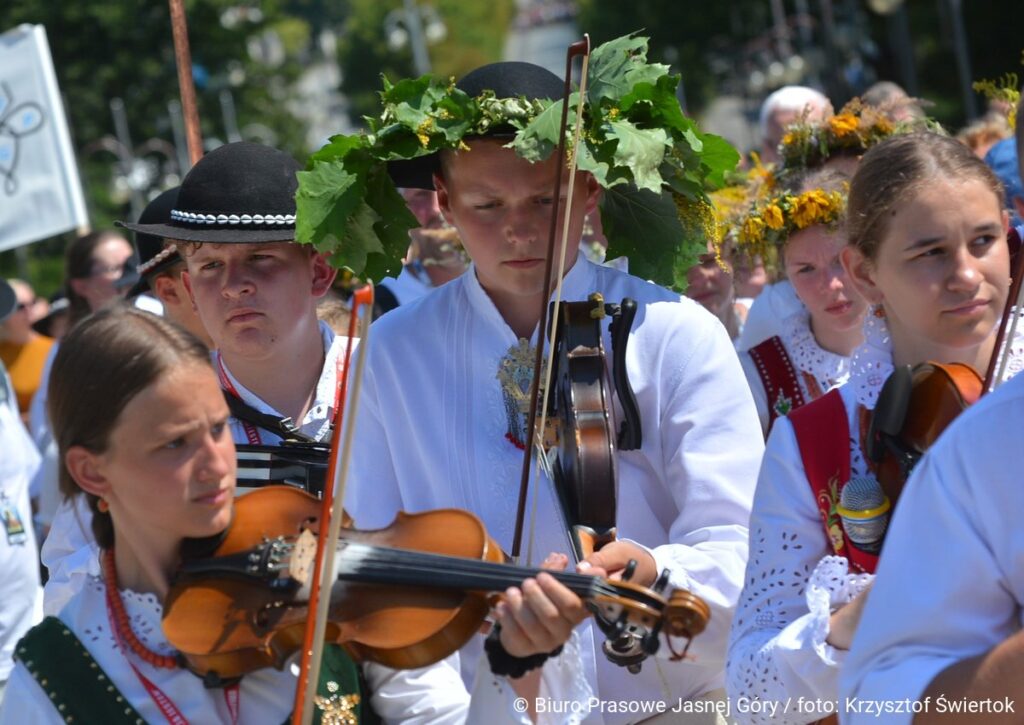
(385, 562)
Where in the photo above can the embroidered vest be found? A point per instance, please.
(63, 667)
(823, 435)
(779, 377)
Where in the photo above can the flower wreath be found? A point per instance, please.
(1004, 89)
(770, 223)
(856, 128)
(653, 162)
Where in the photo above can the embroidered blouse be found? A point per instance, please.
(777, 647)
(816, 370)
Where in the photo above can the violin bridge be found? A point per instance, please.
(303, 558)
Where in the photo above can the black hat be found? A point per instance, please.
(509, 79)
(8, 300)
(153, 258)
(241, 192)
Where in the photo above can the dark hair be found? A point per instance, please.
(895, 170)
(78, 264)
(102, 364)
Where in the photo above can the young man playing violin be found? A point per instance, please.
(438, 426)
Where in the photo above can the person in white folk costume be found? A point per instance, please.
(952, 643)
(811, 353)
(20, 593)
(151, 451)
(937, 274)
(442, 422)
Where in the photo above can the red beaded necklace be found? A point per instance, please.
(121, 622)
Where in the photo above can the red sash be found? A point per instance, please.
(778, 375)
(823, 435)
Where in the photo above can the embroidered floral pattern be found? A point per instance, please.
(872, 362)
(783, 404)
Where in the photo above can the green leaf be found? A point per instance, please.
(719, 157)
(617, 66)
(360, 240)
(394, 220)
(644, 227)
(662, 106)
(641, 150)
(326, 196)
(539, 139)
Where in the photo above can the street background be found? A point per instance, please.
(292, 72)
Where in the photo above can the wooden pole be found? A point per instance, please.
(183, 58)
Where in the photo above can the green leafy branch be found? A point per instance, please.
(654, 163)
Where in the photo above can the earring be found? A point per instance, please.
(103, 506)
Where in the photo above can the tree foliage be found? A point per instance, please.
(475, 36)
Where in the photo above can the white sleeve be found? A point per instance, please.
(948, 579)
(433, 694)
(777, 649)
(69, 553)
(756, 389)
(712, 446)
(775, 303)
(436, 694)
(25, 702)
(39, 420)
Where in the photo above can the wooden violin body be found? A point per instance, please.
(405, 596)
(585, 468)
(914, 407)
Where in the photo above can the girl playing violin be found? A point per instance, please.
(811, 354)
(927, 247)
(149, 449)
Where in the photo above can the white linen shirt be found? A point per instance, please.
(19, 563)
(431, 427)
(951, 583)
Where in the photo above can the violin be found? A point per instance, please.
(405, 596)
(584, 470)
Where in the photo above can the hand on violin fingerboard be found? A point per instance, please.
(539, 616)
(613, 558)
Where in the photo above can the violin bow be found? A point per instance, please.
(186, 87)
(535, 431)
(329, 528)
(996, 372)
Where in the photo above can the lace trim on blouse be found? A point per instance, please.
(827, 368)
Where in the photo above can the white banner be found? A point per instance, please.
(40, 194)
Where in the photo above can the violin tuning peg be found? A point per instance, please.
(629, 571)
(662, 583)
(651, 643)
